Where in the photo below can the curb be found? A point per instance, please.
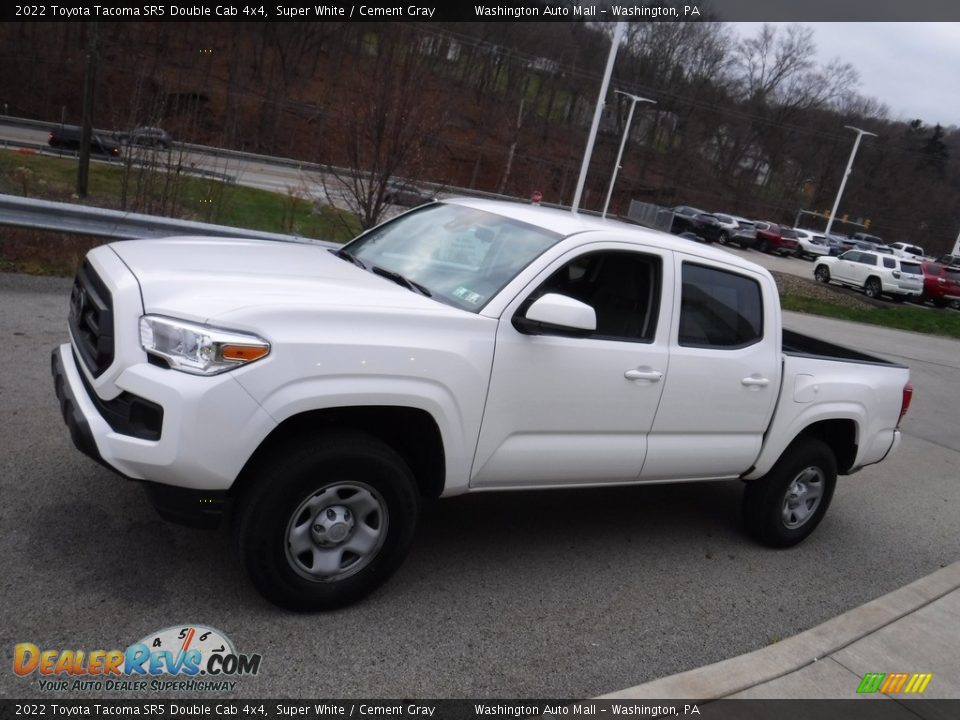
(727, 677)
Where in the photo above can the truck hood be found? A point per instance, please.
(202, 278)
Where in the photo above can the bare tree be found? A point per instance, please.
(388, 127)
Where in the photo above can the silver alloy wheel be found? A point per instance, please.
(803, 497)
(336, 531)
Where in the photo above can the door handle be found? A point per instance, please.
(643, 374)
(754, 381)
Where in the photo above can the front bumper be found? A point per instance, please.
(70, 409)
(210, 425)
(187, 506)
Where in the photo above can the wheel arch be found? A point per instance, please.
(840, 435)
(411, 432)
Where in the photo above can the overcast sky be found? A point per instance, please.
(913, 68)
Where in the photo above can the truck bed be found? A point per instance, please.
(801, 345)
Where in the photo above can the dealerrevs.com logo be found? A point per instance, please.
(182, 657)
(892, 683)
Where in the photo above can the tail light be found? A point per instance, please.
(907, 399)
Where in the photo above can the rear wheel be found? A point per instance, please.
(786, 505)
(763, 246)
(327, 522)
(822, 274)
(872, 288)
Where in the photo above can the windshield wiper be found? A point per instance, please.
(401, 280)
(344, 254)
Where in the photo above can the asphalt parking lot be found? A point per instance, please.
(561, 594)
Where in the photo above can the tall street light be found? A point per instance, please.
(843, 183)
(598, 111)
(634, 99)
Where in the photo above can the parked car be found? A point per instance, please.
(736, 230)
(835, 243)
(941, 285)
(462, 347)
(152, 137)
(874, 273)
(949, 260)
(811, 244)
(399, 192)
(67, 137)
(845, 241)
(867, 238)
(689, 219)
(774, 238)
(906, 250)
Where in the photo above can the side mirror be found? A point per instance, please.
(555, 313)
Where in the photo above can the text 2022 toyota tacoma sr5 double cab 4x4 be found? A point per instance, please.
(463, 346)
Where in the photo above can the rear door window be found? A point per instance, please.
(719, 309)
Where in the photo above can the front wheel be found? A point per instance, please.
(326, 522)
(722, 238)
(822, 274)
(763, 246)
(783, 507)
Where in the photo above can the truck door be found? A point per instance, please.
(565, 409)
(719, 396)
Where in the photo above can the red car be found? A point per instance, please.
(941, 284)
(776, 238)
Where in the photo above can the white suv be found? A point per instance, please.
(811, 244)
(877, 274)
(906, 250)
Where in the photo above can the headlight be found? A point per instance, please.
(198, 349)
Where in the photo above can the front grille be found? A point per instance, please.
(91, 320)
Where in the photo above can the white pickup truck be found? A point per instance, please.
(464, 346)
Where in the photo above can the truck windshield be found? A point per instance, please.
(461, 255)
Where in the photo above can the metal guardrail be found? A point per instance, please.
(100, 222)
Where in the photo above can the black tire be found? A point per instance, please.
(872, 288)
(334, 475)
(939, 302)
(822, 273)
(722, 238)
(774, 512)
(763, 246)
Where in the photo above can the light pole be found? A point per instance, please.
(843, 183)
(598, 111)
(634, 99)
